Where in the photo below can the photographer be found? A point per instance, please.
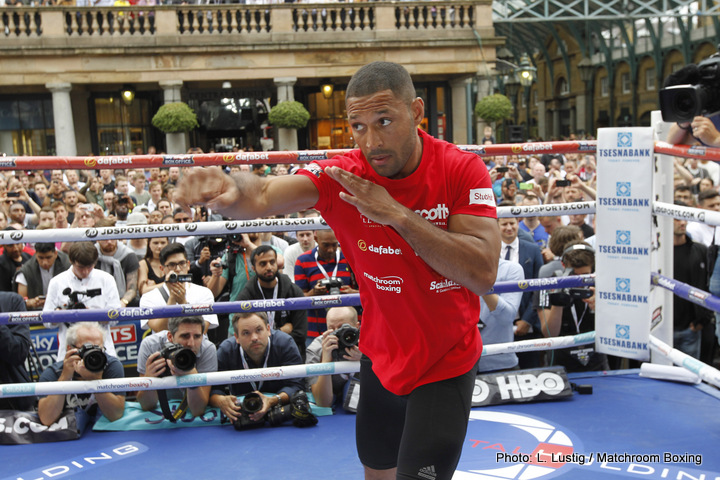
(255, 345)
(327, 348)
(686, 87)
(177, 289)
(572, 311)
(269, 284)
(229, 275)
(155, 359)
(84, 360)
(82, 286)
(322, 271)
(33, 278)
(15, 341)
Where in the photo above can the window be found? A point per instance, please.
(650, 79)
(604, 91)
(625, 82)
(563, 87)
(27, 127)
(122, 128)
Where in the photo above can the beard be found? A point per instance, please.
(268, 276)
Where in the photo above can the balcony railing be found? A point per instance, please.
(237, 19)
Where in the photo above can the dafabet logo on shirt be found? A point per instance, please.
(482, 196)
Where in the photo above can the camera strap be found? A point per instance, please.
(247, 367)
(270, 314)
(322, 269)
(575, 318)
(165, 407)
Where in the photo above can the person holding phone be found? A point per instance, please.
(34, 276)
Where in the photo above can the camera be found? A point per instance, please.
(562, 183)
(699, 93)
(566, 296)
(219, 264)
(502, 169)
(182, 357)
(74, 303)
(215, 244)
(93, 357)
(298, 410)
(252, 403)
(331, 284)
(348, 337)
(175, 278)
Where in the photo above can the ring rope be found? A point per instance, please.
(686, 151)
(259, 158)
(123, 232)
(686, 291)
(297, 303)
(183, 310)
(243, 376)
(690, 214)
(704, 371)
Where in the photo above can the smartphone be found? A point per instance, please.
(502, 169)
(41, 297)
(526, 186)
(13, 194)
(562, 183)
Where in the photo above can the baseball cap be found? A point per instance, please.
(136, 219)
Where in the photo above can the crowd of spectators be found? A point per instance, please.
(138, 271)
(264, 265)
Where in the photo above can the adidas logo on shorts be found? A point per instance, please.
(428, 472)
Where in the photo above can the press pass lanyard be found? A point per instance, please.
(256, 388)
(270, 314)
(574, 314)
(337, 264)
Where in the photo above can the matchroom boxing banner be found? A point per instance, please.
(622, 261)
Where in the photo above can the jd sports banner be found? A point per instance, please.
(623, 241)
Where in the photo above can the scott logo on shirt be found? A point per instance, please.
(440, 212)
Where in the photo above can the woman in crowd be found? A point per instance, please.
(150, 273)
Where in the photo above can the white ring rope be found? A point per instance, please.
(123, 232)
(708, 217)
(241, 376)
(704, 371)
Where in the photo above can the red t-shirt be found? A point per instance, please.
(418, 326)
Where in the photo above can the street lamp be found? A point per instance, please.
(586, 69)
(327, 89)
(526, 72)
(128, 94)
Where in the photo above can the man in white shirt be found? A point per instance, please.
(82, 285)
(701, 232)
(175, 263)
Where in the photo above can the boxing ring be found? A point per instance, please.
(631, 426)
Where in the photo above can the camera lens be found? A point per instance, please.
(349, 338)
(252, 403)
(93, 358)
(184, 359)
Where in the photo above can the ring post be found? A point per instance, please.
(661, 258)
(624, 209)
